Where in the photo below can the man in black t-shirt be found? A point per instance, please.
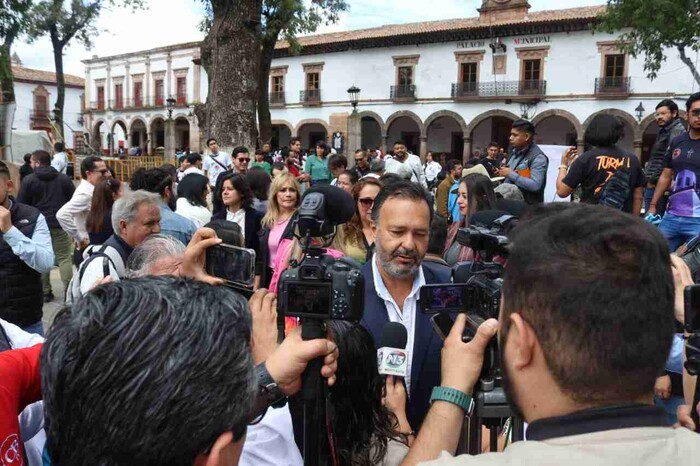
(594, 169)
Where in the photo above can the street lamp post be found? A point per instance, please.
(354, 94)
(640, 112)
(170, 106)
(170, 129)
(354, 139)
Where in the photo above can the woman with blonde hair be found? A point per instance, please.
(283, 202)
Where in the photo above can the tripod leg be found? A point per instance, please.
(474, 435)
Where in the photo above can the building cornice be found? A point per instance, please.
(140, 53)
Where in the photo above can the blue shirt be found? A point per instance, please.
(37, 251)
(175, 225)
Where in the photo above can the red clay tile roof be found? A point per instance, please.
(393, 30)
(27, 74)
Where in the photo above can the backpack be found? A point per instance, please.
(73, 292)
(452, 206)
(616, 192)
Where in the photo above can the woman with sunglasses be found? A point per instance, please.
(283, 202)
(356, 238)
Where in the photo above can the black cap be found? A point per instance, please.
(394, 335)
(229, 232)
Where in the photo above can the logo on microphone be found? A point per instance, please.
(396, 359)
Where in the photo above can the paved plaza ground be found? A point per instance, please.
(50, 309)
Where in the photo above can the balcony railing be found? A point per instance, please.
(499, 89)
(311, 96)
(404, 91)
(612, 85)
(277, 98)
(140, 102)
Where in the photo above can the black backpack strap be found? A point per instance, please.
(94, 255)
(5, 343)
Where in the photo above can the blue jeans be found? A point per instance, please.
(678, 230)
(660, 207)
(37, 328)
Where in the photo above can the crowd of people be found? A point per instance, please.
(154, 361)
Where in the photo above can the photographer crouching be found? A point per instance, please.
(586, 322)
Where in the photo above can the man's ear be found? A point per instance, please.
(522, 336)
(9, 185)
(224, 452)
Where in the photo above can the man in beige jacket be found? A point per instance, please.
(586, 323)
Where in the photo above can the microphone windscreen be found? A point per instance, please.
(394, 335)
(340, 206)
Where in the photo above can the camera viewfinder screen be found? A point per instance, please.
(307, 299)
(232, 264)
(446, 298)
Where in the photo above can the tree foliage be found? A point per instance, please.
(651, 27)
(14, 21)
(65, 21)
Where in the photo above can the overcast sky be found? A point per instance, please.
(168, 22)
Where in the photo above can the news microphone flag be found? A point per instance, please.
(392, 357)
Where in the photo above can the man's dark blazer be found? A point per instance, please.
(425, 367)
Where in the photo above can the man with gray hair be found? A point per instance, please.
(157, 255)
(135, 216)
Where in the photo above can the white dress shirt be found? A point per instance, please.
(237, 217)
(199, 215)
(432, 170)
(60, 162)
(407, 316)
(271, 442)
(73, 215)
(412, 162)
(193, 169)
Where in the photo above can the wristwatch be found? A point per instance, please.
(455, 397)
(268, 388)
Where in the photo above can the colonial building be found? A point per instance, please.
(128, 99)
(35, 97)
(448, 86)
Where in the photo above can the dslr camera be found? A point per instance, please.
(319, 286)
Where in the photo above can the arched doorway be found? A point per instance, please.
(118, 141)
(405, 128)
(157, 134)
(182, 133)
(555, 130)
(138, 134)
(310, 133)
(492, 126)
(445, 135)
(99, 137)
(281, 134)
(371, 131)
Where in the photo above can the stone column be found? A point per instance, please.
(467, 151)
(169, 139)
(385, 141)
(147, 98)
(423, 147)
(638, 149)
(149, 142)
(195, 143)
(197, 80)
(169, 78)
(580, 146)
(108, 86)
(354, 139)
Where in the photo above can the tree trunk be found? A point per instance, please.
(6, 82)
(264, 117)
(231, 58)
(60, 80)
(689, 63)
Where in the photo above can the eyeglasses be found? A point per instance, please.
(245, 160)
(102, 171)
(366, 201)
(695, 112)
(360, 160)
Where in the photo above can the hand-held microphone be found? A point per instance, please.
(392, 357)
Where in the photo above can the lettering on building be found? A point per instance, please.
(532, 40)
(471, 44)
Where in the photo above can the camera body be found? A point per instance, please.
(321, 287)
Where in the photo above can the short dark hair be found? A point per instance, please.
(596, 287)
(239, 183)
(399, 141)
(337, 161)
(494, 144)
(524, 125)
(240, 150)
(27, 157)
(153, 180)
(400, 189)
(691, 100)
(259, 182)
(278, 166)
(59, 147)
(5, 170)
(452, 163)
(88, 165)
(210, 140)
(352, 174)
(438, 235)
(133, 361)
(42, 157)
(604, 131)
(668, 103)
(194, 158)
(293, 140)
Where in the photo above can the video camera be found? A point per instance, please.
(320, 286)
